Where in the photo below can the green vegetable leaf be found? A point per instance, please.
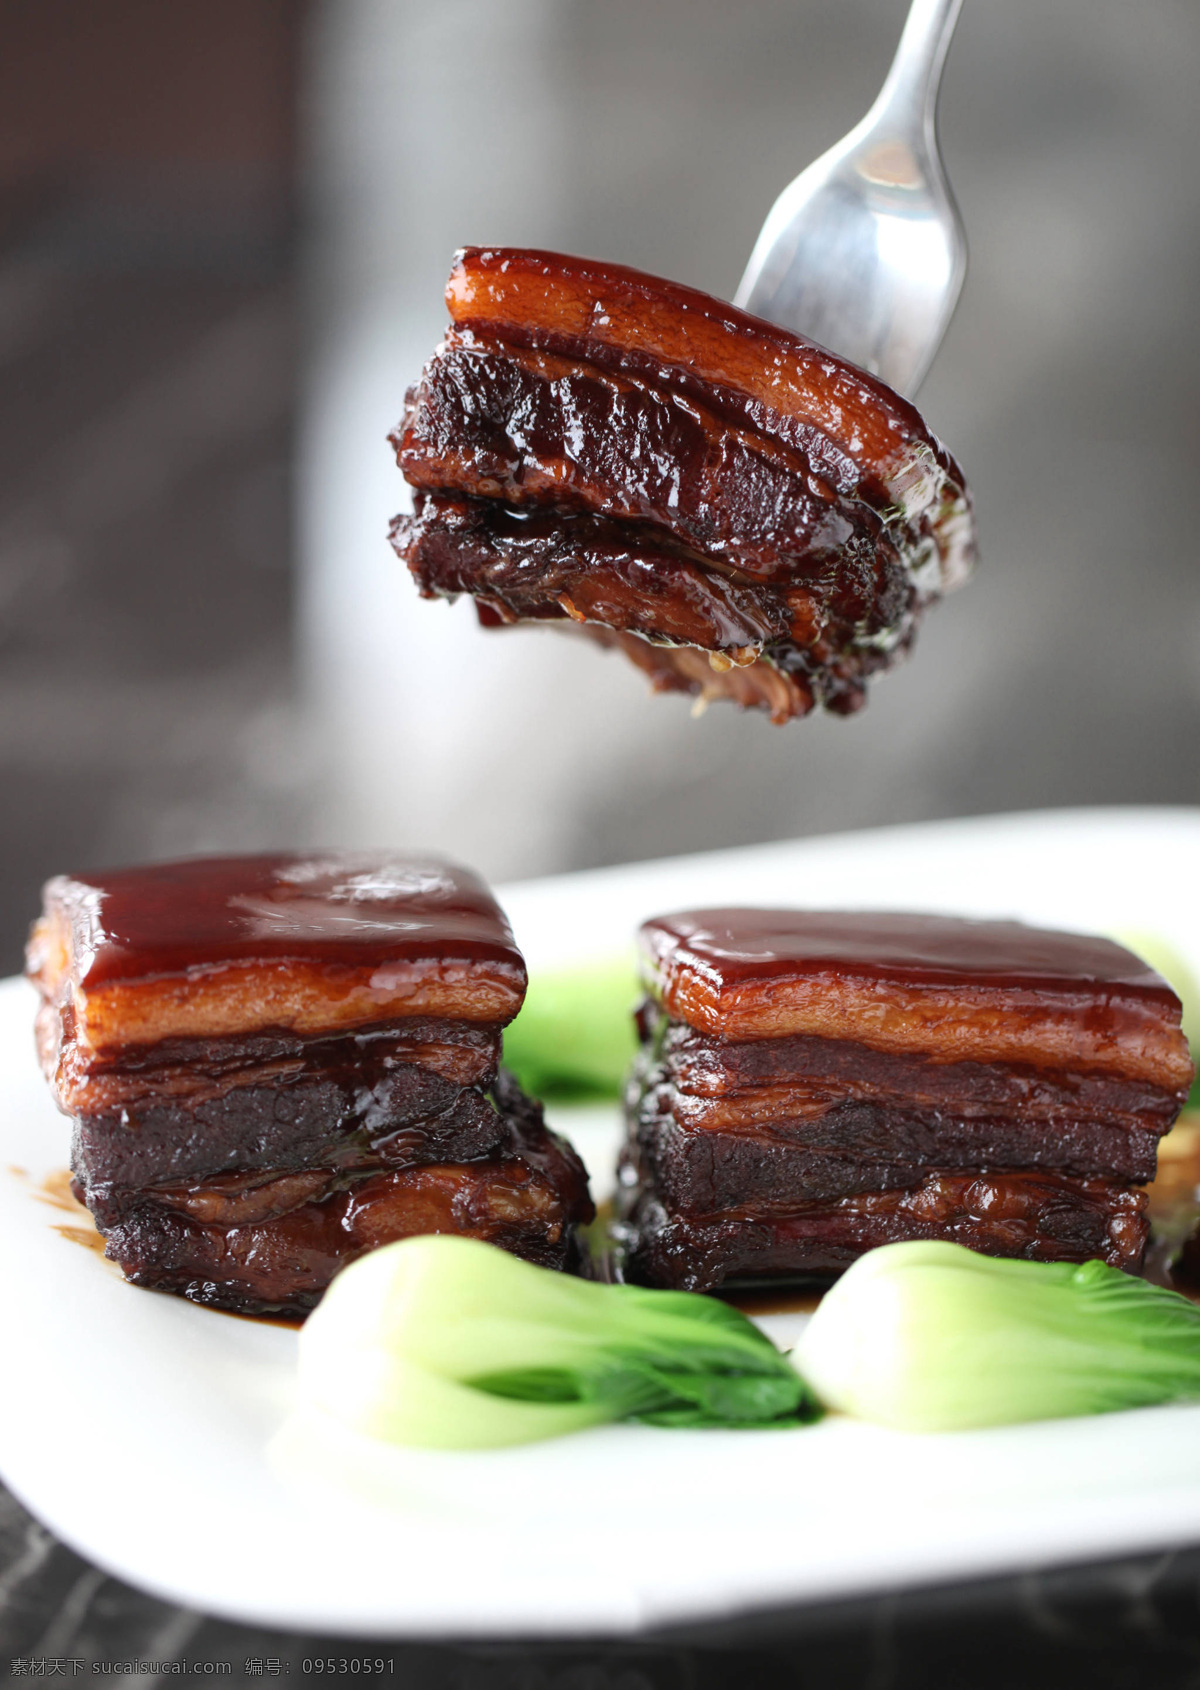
(574, 1038)
(449, 1342)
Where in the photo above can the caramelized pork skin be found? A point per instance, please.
(598, 445)
(1037, 1216)
(953, 990)
(855, 433)
(226, 947)
(270, 1242)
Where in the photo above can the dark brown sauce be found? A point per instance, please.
(79, 1228)
(292, 1323)
(801, 1299)
(739, 946)
(55, 1191)
(359, 910)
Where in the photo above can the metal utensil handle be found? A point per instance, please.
(909, 95)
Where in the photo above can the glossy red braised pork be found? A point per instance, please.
(743, 513)
(814, 1083)
(276, 1063)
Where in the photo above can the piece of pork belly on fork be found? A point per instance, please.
(741, 512)
(275, 1063)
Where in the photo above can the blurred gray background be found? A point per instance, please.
(224, 233)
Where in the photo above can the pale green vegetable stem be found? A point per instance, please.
(446, 1341)
(930, 1337)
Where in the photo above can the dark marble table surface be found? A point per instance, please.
(1117, 1624)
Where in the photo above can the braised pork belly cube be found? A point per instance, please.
(275, 1063)
(741, 512)
(838, 1080)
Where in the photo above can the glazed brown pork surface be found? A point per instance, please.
(597, 445)
(215, 947)
(958, 991)
(1037, 1216)
(857, 434)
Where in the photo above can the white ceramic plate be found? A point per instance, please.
(145, 1432)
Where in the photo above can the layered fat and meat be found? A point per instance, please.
(275, 1064)
(742, 513)
(811, 1085)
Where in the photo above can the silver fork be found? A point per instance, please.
(865, 252)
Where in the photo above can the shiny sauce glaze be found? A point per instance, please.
(959, 989)
(353, 909)
(736, 946)
(860, 436)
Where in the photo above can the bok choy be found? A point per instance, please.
(574, 1039)
(930, 1337)
(447, 1342)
